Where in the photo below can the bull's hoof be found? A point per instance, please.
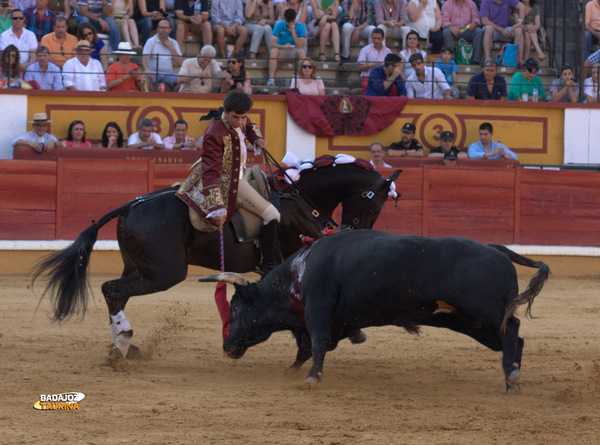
(311, 382)
(357, 337)
(512, 382)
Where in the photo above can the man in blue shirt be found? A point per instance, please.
(488, 149)
(287, 42)
(386, 80)
(45, 73)
(487, 84)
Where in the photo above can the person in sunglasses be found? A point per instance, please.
(235, 77)
(60, 43)
(196, 75)
(307, 81)
(25, 41)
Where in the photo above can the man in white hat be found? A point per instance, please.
(82, 73)
(123, 75)
(39, 139)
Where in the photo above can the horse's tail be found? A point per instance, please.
(534, 287)
(67, 269)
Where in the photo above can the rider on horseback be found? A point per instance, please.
(217, 184)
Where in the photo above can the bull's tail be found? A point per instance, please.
(534, 287)
(67, 269)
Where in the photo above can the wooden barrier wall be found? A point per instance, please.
(45, 200)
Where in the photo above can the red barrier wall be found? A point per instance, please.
(48, 200)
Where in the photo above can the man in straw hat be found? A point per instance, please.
(82, 73)
(39, 139)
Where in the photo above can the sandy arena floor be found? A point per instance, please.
(436, 388)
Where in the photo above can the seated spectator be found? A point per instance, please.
(447, 65)
(531, 25)
(82, 73)
(99, 14)
(17, 35)
(145, 138)
(187, 20)
(592, 59)
(196, 75)
(112, 136)
(486, 148)
(450, 157)
(11, 74)
(426, 82)
(324, 23)
(360, 24)
(565, 89)
(461, 20)
(390, 16)
(372, 56)
(408, 145)
(387, 80)
(236, 75)
(590, 86)
(71, 16)
(227, 18)
(39, 139)
(377, 152)
(5, 8)
(39, 19)
(260, 19)
(425, 17)
(60, 43)
(46, 74)
(123, 11)
(524, 83)
(592, 25)
(76, 136)
(412, 47)
(160, 52)
(307, 82)
(300, 6)
(446, 146)
(180, 140)
(496, 18)
(149, 14)
(487, 84)
(88, 32)
(289, 36)
(123, 75)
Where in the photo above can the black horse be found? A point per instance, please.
(157, 240)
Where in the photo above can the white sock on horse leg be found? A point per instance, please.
(120, 322)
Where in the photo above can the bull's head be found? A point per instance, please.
(362, 210)
(251, 320)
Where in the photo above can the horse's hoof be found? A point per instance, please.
(133, 353)
(292, 370)
(512, 382)
(311, 382)
(114, 353)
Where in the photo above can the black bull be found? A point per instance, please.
(351, 280)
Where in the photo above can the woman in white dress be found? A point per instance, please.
(307, 81)
(425, 17)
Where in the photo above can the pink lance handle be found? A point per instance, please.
(221, 289)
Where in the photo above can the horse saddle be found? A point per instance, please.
(245, 225)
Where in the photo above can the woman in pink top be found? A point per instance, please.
(76, 136)
(307, 81)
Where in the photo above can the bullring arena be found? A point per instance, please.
(436, 388)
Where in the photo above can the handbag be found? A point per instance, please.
(464, 53)
(509, 55)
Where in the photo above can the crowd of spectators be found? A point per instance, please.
(44, 36)
(112, 137)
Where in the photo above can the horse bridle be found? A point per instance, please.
(369, 194)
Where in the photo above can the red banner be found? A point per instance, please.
(328, 116)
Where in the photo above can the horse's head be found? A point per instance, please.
(361, 209)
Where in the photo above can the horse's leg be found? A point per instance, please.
(117, 294)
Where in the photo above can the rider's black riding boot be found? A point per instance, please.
(268, 246)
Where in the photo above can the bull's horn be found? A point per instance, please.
(225, 277)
